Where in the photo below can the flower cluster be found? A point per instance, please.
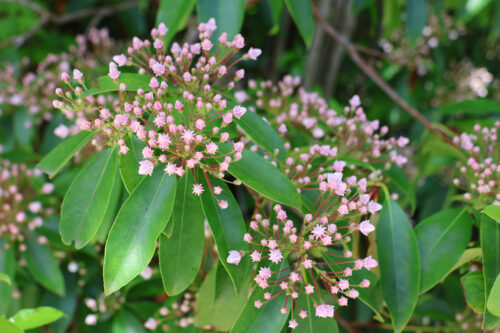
(180, 113)
(176, 313)
(480, 175)
(102, 306)
(21, 197)
(300, 258)
(349, 129)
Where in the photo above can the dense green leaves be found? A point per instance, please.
(132, 238)
(62, 153)
(31, 318)
(174, 14)
(473, 284)
(442, 238)
(87, 199)
(490, 243)
(129, 162)
(228, 15)
(399, 263)
(43, 266)
(302, 15)
(416, 18)
(227, 226)
(181, 253)
(269, 181)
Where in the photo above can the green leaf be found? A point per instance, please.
(109, 216)
(276, 11)
(87, 199)
(24, 127)
(132, 238)
(493, 211)
(9, 327)
(474, 7)
(468, 255)
(473, 284)
(472, 107)
(7, 267)
(312, 323)
(269, 317)
(30, 318)
(127, 322)
(442, 238)
(228, 15)
(228, 227)
(174, 14)
(106, 84)
(5, 278)
(66, 304)
(268, 181)
(399, 178)
(43, 266)
(181, 253)
(302, 15)
(493, 304)
(416, 19)
(399, 263)
(129, 162)
(63, 152)
(260, 131)
(490, 243)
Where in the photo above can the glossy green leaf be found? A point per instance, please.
(129, 162)
(493, 304)
(416, 19)
(311, 323)
(5, 278)
(181, 253)
(268, 181)
(399, 178)
(7, 267)
(473, 284)
(262, 133)
(493, 211)
(442, 238)
(228, 15)
(490, 243)
(399, 262)
(174, 14)
(474, 253)
(24, 127)
(7, 326)
(131, 80)
(30, 318)
(302, 15)
(126, 322)
(43, 266)
(277, 12)
(269, 317)
(87, 199)
(113, 206)
(227, 226)
(132, 238)
(63, 152)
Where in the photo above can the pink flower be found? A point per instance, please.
(206, 45)
(292, 324)
(188, 136)
(318, 231)
(275, 256)
(256, 256)
(343, 284)
(370, 263)
(374, 207)
(147, 152)
(211, 148)
(303, 314)
(234, 257)
(121, 60)
(239, 111)
(309, 289)
(324, 311)
(366, 227)
(114, 73)
(365, 283)
(146, 167)
(353, 293)
(198, 189)
(223, 204)
(258, 304)
(343, 301)
(265, 272)
(254, 53)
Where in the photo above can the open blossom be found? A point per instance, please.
(324, 311)
(234, 257)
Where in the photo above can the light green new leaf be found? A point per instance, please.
(302, 15)
(259, 174)
(227, 226)
(174, 14)
(43, 266)
(490, 243)
(473, 284)
(493, 304)
(442, 238)
(399, 263)
(7, 326)
(31, 318)
(5, 278)
(493, 211)
(63, 152)
(87, 199)
(132, 238)
(181, 253)
(129, 162)
(228, 15)
(126, 322)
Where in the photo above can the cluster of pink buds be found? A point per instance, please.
(309, 252)
(21, 209)
(181, 115)
(480, 176)
(173, 315)
(102, 306)
(349, 129)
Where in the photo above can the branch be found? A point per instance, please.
(372, 74)
(47, 16)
